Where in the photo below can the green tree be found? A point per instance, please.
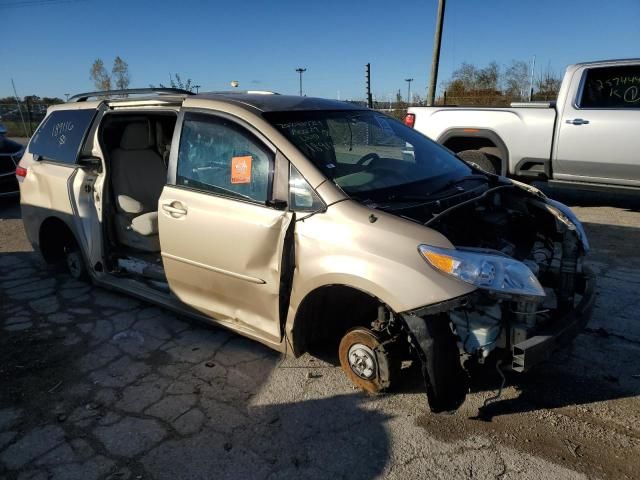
(120, 73)
(99, 75)
(52, 100)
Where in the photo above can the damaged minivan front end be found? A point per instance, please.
(465, 267)
(524, 253)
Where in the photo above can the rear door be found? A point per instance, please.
(221, 242)
(55, 184)
(597, 136)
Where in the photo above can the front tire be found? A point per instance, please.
(481, 160)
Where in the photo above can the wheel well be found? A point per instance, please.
(54, 238)
(484, 144)
(325, 315)
(458, 144)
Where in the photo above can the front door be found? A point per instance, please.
(221, 243)
(597, 136)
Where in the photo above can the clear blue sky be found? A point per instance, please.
(48, 46)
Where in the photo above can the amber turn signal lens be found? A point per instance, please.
(441, 262)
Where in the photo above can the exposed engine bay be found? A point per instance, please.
(503, 321)
(526, 229)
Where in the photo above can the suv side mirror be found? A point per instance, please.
(90, 162)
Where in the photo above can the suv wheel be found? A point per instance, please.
(365, 361)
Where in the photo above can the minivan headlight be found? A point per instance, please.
(484, 270)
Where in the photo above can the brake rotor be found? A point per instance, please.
(364, 360)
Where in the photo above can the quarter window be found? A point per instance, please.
(217, 155)
(61, 134)
(302, 198)
(612, 87)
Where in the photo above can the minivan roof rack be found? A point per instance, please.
(83, 97)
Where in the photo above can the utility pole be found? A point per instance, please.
(435, 61)
(369, 97)
(67, 95)
(408, 80)
(301, 71)
(197, 87)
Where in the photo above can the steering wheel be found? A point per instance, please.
(387, 171)
(374, 157)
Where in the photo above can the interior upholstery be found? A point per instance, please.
(137, 172)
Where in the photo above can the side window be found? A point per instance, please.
(302, 198)
(611, 87)
(60, 136)
(217, 155)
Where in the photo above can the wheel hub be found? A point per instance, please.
(362, 361)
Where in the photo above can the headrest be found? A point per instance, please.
(136, 136)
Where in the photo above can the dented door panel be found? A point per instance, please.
(223, 256)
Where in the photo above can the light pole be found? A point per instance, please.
(197, 87)
(67, 95)
(408, 80)
(301, 71)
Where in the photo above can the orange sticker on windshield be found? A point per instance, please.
(241, 169)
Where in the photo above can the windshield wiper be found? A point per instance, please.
(452, 183)
(445, 187)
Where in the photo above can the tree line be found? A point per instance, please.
(496, 85)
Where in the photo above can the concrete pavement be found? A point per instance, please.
(95, 384)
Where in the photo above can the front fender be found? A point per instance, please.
(378, 255)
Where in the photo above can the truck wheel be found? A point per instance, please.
(480, 160)
(366, 362)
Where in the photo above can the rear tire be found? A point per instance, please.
(481, 160)
(75, 264)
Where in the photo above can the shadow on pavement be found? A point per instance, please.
(100, 382)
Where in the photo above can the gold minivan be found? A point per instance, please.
(309, 225)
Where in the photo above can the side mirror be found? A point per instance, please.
(277, 204)
(90, 162)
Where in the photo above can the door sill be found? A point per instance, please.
(140, 290)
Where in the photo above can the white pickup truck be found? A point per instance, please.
(589, 137)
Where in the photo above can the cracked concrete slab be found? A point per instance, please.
(97, 384)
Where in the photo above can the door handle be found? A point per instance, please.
(578, 121)
(174, 209)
